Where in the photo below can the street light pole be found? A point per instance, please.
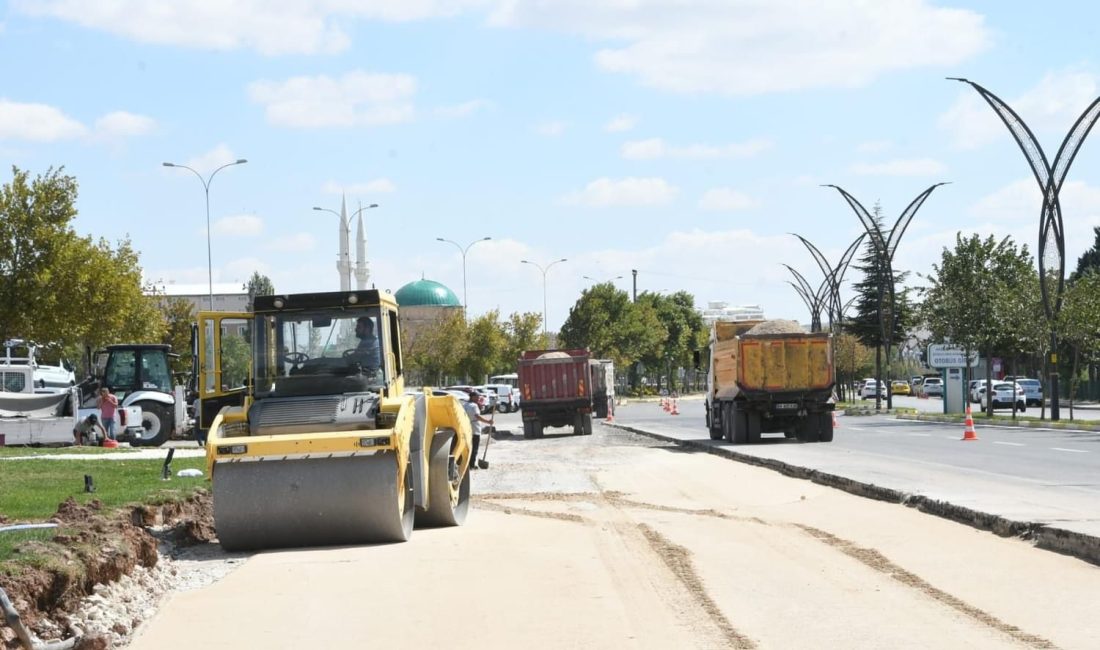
(206, 188)
(347, 226)
(587, 277)
(544, 270)
(463, 251)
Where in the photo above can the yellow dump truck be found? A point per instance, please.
(327, 447)
(769, 383)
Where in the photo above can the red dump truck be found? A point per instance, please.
(555, 391)
(778, 382)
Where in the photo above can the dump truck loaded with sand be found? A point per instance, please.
(769, 377)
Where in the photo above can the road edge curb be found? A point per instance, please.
(1046, 537)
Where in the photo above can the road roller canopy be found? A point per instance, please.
(319, 352)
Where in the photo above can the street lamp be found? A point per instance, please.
(206, 188)
(588, 277)
(544, 270)
(463, 251)
(346, 227)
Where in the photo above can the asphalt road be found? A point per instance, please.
(1033, 475)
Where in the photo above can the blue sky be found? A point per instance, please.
(682, 138)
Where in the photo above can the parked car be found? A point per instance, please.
(506, 399)
(899, 387)
(484, 402)
(868, 389)
(932, 386)
(972, 390)
(1033, 389)
(1004, 394)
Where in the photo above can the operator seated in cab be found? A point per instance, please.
(368, 353)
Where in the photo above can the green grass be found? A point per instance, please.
(17, 452)
(30, 490)
(8, 541)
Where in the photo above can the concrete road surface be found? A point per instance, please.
(618, 541)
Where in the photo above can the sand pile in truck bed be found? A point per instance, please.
(777, 326)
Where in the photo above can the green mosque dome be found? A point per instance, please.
(426, 293)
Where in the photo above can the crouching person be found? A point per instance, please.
(89, 431)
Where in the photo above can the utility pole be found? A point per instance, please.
(634, 272)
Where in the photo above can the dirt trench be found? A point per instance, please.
(94, 547)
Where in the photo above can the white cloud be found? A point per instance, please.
(726, 199)
(1050, 106)
(295, 243)
(240, 225)
(551, 129)
(356, 99)
(123, 124)
(874, 146)
(267, 27)
(620, 123)
(375, 186)
(748, 47)
(901, 167)
(605, 192)
(464, 109)
(37, 123)
(656, 148)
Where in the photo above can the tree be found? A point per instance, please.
(1079, 321)
(58, 287)
(1090, 259)
(34, 233)
(974, 290)
(437, 352)
(523, 332)
(259, 285)
(873, 303)
(486, 344)
(604, 320)
(684, 327)
(852, 358)
(178, 315)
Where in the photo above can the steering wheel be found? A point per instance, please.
(348, 354)
(296, 358)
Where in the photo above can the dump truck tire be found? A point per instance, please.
(448, 501)
(156, 424)
(311, 502)
(826, 431)
(716, 432)
(586, 424)
(752, 421)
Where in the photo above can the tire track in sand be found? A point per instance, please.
(875, 560)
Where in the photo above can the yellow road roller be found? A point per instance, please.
(317, 442)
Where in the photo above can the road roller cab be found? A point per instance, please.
(326, 447)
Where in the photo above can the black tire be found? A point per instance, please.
(578, 424)
(502, 407)
(752, 427)
(1021, 406)
(156, 424)
(715, 431)
(586, 424)
(601, 411)
(825, 432)
(739, 424)
(448, 500)
(528, 429)
(727, 421)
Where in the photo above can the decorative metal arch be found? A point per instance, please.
(814, 300)
(1050, 178)
(833, 275)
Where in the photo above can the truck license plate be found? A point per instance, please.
(785, 406)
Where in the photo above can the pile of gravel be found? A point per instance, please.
(777, 326)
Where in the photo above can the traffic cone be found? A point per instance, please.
(836, 425)
(970, 433)
(610, 415)
(664, 404)
(110, 443)
(674, 410)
